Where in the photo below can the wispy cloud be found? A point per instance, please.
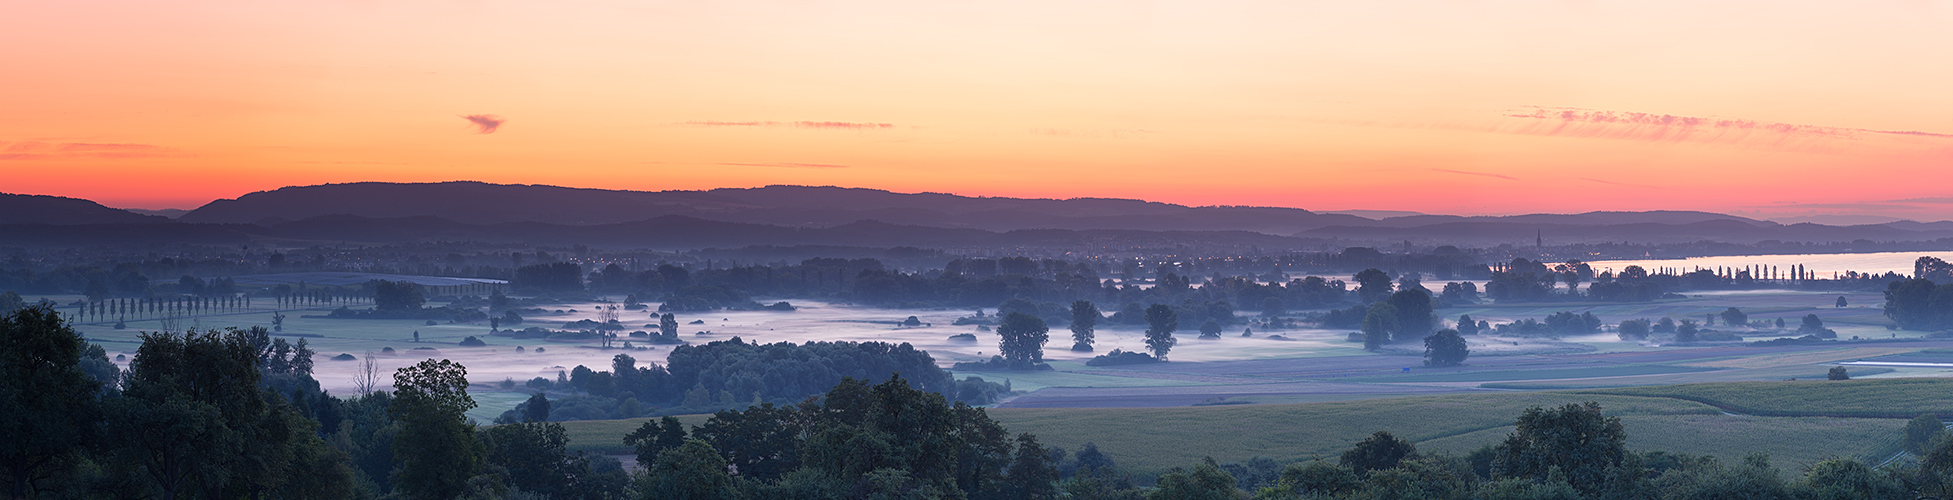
(823, 125)
(485, 124)
(1659, 127)
(1482, 174)
(786, 165)
(39, 150)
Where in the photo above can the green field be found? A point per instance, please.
(1556, 373)
(1148, 441)
(1895, 398)
(1785, 373)
(1792, 442)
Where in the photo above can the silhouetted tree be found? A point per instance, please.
(1021, 338)
(397, 296)
(436, 447)
(48, 400)
(1378, 325)
(1161, 321)
(654, 437)
(1084, 319)
(1415, 317)
(1573, 441)
(1838, 373)
(1372, 285)
(1445, 348)
(1378, 452)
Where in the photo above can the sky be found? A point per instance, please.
(1774, 109)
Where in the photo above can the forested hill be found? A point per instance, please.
(386, 213)
(795, 206)
(37, 209)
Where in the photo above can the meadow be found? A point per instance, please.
(1870, 398)
(1148, 441)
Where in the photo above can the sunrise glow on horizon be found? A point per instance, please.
(1751, 108)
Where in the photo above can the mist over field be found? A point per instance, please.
(721, 339)
(753, 249)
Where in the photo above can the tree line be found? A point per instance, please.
(700, 378)
(236, 414)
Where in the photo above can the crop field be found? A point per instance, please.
(1792, 442)
(1148, 441)
(607, 436)
(1610, 370)
(1788, 373)
(1151, 440)
(1870, 398)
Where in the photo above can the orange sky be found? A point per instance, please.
(1760, 108)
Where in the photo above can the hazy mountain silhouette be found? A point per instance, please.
(797, 206)
(1589, 218)
(38, 209)
(382, 213)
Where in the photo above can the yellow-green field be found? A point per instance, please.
(1147, 441)
(1897, 398)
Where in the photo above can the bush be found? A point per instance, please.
(998, 363)
(1119, 357)
(963, 337)
(1838, 373)
(471, 341)
(1445, 348)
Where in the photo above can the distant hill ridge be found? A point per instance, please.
(824, 206)
(378, 212)
(41, 209)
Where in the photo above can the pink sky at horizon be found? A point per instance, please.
(1760, 109)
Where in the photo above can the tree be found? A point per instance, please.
(1735, 317)
(1378, 452)
(1319, 478)
(1843, 478)
(397, 296)
(1161, 321)
(1378, 325)
(47, 402)
(1273, 306)
(1445, 348)
(654, 437)
(536, 409)
(1205, 482)
(1921, 431)
(1415, 317)
(1372, 285)
(1841, 302)
(194, 418)
(535, 456)
(1837, 373)
(668, 325)
(436, 448)
(1210, 330)
(366, 377)
(1084, 318)
(1466, 325)
(1033, 473)
(1021, 338)
(691, 471)
(1686, 331)
(1573, 441)
(1634, 329)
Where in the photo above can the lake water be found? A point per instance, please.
(1822, 265)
